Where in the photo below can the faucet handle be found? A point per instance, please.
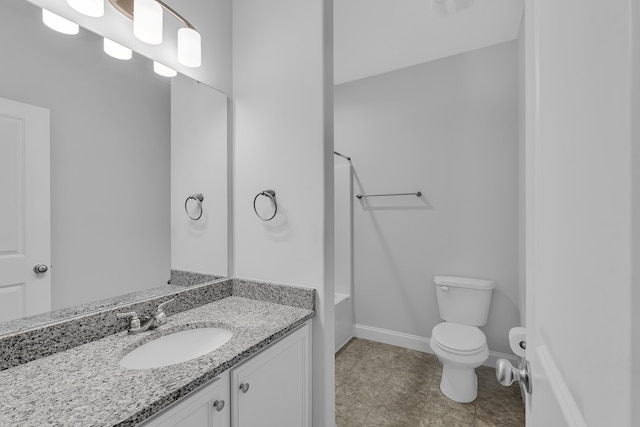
(131, 314)
(162, 306)
(134, 323)
(160, 317)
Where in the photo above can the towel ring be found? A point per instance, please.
(198, 198)
(270, 194)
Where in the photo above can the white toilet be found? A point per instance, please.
(460, 346)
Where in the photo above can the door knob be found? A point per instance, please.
(244, 387)
(507, 374)
(40, 269)
(218, 405)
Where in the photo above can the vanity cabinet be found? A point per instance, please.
(271, 389)
(209, 407)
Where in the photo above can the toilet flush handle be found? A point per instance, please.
(444, 287)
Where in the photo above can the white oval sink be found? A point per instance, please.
(176, 348)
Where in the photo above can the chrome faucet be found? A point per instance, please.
(158, 319)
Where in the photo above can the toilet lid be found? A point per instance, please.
(459, 338)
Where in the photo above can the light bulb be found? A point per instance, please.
(147, 21)
(163, 70)
(116, 50)
(189, 47)
(59, 24)
(93, 8)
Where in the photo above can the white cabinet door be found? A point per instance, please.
(208, 407)
(273, 389)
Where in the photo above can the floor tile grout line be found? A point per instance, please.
(413, 367)
(379, 391)
(353, 368)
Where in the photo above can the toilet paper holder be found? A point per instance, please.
(518, 341)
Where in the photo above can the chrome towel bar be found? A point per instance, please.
(417, 193)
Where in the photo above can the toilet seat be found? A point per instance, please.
(459, 339)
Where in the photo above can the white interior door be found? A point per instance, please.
(578, 214)
(25, 237)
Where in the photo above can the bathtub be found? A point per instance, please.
(344, 320)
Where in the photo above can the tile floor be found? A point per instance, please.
(382, 385)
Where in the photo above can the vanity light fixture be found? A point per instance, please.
(189, 47)
(116, 50)
(163, 70)
(147, 21)
(59, 24)
(93, 8)
(147, 16)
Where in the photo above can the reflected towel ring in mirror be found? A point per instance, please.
(198, 198)
(270, 194)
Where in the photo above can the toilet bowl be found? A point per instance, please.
(457, 342)
(460, 349)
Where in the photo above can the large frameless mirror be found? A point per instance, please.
(137, 179)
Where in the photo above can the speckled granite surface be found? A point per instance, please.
(23, 346)
(280, 294)
(39, 320)
(26, 346)
(85, 385)
(190, 278)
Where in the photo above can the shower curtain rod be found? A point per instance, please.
(342, 155)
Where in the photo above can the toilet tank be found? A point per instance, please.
(464, 300)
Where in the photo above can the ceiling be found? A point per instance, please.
(376, 36)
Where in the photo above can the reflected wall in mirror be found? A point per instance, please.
(127, 147)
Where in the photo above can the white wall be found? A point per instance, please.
(448, 128)
(212, 19)
(109, 156)
(282, 86)
(635, 214)
(198, 165)
(521, 171)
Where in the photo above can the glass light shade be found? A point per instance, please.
(93, 8)
(189, 47)
(147, 21)
(163, 70)
(58, 23)
(116, 50)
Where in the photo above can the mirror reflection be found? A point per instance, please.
(126, 148)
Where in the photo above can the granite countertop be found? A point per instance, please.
(85, 386)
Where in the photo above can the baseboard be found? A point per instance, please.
(343, 343)
(417, 343)
(386, 336)
(495, 355)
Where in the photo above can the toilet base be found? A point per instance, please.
(460, 385)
